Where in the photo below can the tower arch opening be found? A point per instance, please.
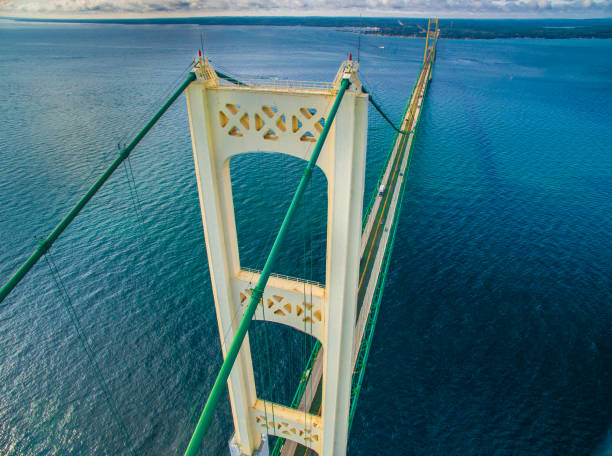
(262, 187)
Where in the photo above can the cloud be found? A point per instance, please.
(292, 7)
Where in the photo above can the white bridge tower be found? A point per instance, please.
(284, 117)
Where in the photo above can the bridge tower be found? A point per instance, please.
(283, 117)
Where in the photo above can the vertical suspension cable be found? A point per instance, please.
(135, 202)
(65, 298)
(137, 198)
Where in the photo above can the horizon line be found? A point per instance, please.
(279, 16)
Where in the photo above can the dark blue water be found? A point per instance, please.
(494, 335)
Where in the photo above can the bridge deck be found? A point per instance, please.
(375, 239)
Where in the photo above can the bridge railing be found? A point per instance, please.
(281, 84)
(287, 277)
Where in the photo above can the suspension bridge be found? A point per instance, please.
(324, 124)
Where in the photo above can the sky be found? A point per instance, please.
(403, 8)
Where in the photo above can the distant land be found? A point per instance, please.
(408, 27)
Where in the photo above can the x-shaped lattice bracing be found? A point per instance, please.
(271, 122)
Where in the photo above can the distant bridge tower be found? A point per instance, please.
(226, 120)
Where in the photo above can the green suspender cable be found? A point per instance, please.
(45, 245)
(232, 353)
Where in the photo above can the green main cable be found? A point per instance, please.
(230, 79)
(382, 113)
(221, 382)
(46, 244)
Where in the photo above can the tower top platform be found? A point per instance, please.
(206, 74)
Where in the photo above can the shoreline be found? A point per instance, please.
(457, 29)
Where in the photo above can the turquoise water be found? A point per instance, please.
(494, 335)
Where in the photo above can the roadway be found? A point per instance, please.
(375, 239)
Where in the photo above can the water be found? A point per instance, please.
(494, 334)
